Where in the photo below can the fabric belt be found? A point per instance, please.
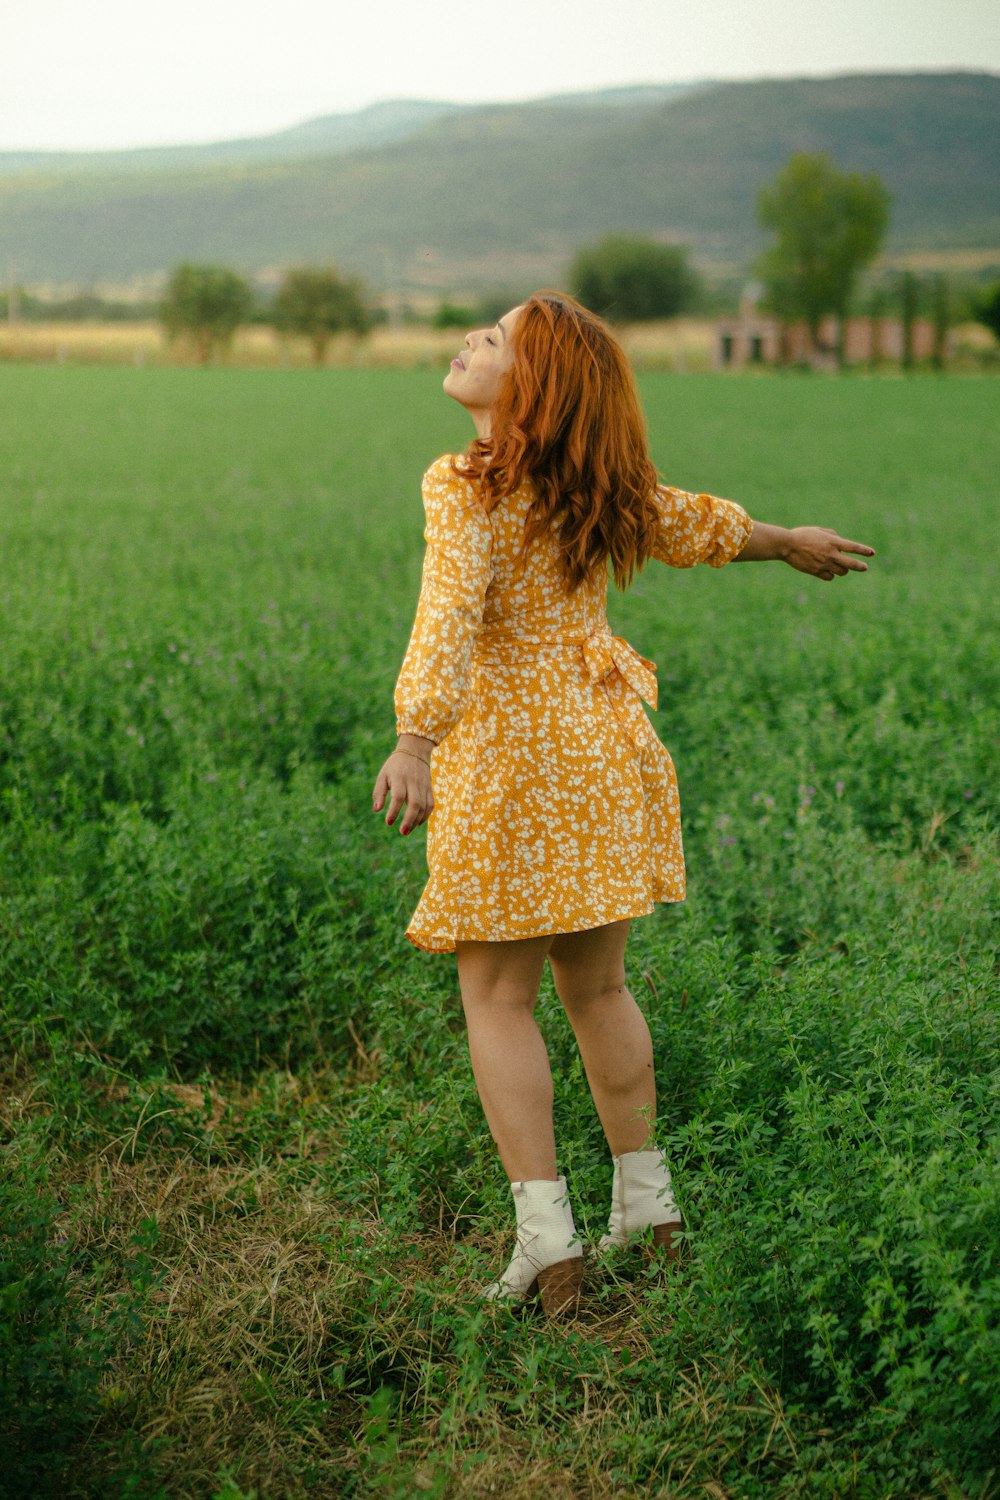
(603, 654)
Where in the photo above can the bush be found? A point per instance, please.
(633, 280)
(450, 315)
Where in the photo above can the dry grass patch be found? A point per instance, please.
(682, 344)
(236, 1338)
(275, 1320)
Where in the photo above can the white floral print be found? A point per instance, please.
(556, 805)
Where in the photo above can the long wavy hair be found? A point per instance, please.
(568, 417)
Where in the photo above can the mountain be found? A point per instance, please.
(468, 197)
(392, 120)
(376, 125)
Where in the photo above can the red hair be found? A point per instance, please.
(568, 417)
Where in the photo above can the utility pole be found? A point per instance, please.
(392, 307)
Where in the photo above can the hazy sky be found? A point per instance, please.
(96, 73)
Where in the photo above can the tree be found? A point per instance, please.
(987, 310)
(941, 317)
(829, 225)
(909, 306)
(207, 302)
(318, 302)
(633, 280)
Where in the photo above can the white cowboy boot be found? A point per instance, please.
(548, 1257)
(642, 1197)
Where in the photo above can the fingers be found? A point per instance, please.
(834, 568)
(395, 789)
(841, 564)
(421, 816)
(825, 554)
(419, 806)
(837, 566)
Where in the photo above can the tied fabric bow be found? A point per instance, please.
(604, 652)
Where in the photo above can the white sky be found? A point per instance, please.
(87, 74)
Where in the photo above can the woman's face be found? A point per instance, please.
(475, 375)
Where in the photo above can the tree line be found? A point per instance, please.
(208, 303)
(827, 226)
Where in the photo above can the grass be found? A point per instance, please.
(247, 1193)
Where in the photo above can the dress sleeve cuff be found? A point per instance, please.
(422, 731)
(734, 536)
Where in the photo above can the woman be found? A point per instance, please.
(554, 817)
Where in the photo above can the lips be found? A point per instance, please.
(458, 361)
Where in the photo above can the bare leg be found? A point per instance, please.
(611, 1032)
(499, 984)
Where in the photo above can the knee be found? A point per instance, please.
(578, 989)
(498, 1000)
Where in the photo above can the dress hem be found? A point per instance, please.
(447, 944)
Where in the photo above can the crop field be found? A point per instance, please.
(247, 1195)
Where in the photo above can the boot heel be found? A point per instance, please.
(559, 1287)
(665, 1244)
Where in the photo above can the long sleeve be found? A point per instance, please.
(699, 529)
(434, 678)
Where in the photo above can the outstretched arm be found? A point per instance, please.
(811, 549)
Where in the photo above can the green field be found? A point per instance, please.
(245, 1185)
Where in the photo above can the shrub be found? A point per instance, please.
(633, 280)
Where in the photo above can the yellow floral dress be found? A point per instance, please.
(556, 805)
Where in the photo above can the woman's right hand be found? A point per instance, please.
(404, 780)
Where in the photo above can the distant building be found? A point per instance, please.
(754, 338)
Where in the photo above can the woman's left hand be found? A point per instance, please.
(811, 549)
(823, 553)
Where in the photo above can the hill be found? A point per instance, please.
(392, 120)
(502, 194)
(377, 125)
